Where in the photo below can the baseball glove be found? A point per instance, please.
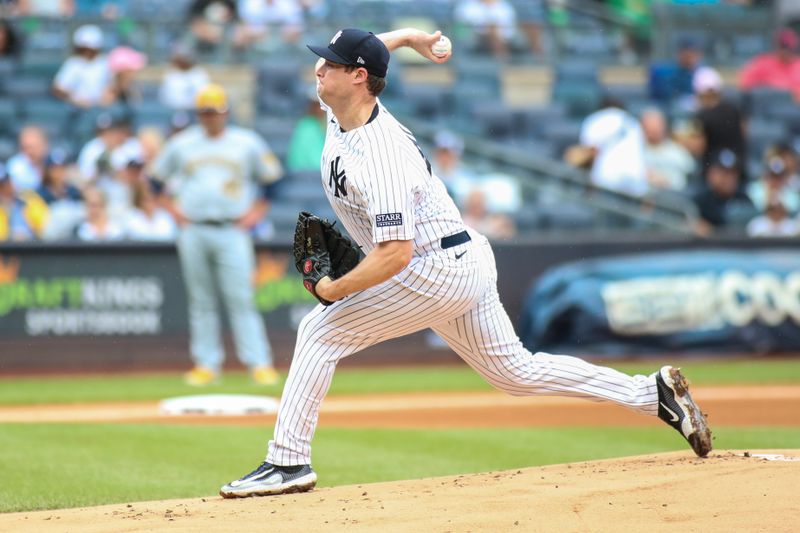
(321, 250)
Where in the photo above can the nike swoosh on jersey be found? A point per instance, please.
(459, 256)
(670, 411)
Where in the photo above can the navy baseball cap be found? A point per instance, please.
(58, 157)
(358, 48)
(725, 158)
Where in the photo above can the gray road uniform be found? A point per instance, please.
(214, 182)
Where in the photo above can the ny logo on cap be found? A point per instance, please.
(336, 37)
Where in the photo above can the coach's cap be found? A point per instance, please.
(212, 97)
(88, 36)
(358, 48)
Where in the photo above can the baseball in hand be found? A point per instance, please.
(441, 47)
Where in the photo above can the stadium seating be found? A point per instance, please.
(8, 117)
(280, 89)
(497, 121)
(22, 87)
(562, 134)
(476, 103)
(732, 33)
(534, 121)
(763, 133)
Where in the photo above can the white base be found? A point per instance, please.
(219, 404)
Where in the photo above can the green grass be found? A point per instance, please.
(122, 387)
(50, 466)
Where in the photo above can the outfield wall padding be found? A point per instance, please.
(121, 306)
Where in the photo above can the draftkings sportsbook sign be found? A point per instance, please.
(86, 305)
(125, 291)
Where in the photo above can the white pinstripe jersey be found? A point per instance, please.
(381, 186)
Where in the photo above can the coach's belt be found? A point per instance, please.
(455, 240)
(216, 223)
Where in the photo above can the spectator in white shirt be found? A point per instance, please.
(477, 215)
(774, 222)
(147, 221)
(109, 151)
(774, 185)
(182, 80)
(98, 226)
(616, 142)
(493, 21)
(84, 77)
(119, 186)
(214, 22)
(669, 164)
(26, 168)
(259, 16)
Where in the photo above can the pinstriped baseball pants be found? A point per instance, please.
(458, 299)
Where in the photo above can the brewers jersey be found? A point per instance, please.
(215, 181)
(215, 178)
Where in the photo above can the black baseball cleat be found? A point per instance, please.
(271, 479)
(676, 408)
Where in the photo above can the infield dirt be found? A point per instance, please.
(725, 492)
(668, 492)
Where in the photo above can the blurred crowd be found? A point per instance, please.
(704, 152)
(100, 190)
(691, 140)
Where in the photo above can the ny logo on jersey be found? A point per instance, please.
(337, 181)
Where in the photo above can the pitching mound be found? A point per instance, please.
(667, 492)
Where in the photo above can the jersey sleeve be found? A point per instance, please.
(390, 192)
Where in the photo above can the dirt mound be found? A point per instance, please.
(726, 492)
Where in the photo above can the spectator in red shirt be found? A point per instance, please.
(779, 69)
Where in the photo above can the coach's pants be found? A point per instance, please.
(221, 259)
(458, 299)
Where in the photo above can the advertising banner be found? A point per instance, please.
(132, 293)
(124, 306)
(710, 300)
